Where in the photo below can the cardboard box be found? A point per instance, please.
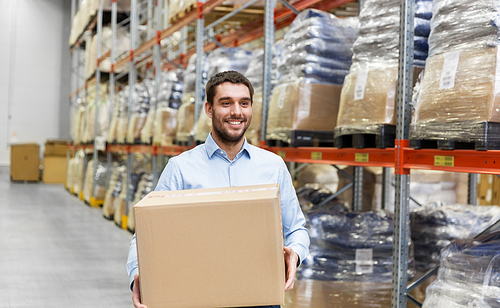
(301, 106)
(25, 162)
(473, 95)
(378, 105)
(54, 169)
(219, 247)
(55, 147)
(488, 189)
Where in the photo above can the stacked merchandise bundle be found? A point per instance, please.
(458, 99)
(74, 172)
(77, 117)
(255, 73)
(434, 226)
(100, 178)
(353, 246)
(87, 9)
(140, 166)
(88, 132)
(368, 97)
(315, 59)
(144, 187)
(114, 190)
(119, 120)
(122, 46)
(142, 102)
(168, 103)
(220, 60)
(469, 275)
(185, 116)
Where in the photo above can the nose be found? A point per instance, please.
(236, 110)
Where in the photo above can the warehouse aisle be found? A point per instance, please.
(55, 251)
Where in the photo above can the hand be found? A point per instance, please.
(136, 293)
(291, 259)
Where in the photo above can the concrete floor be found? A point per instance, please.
(55, 251)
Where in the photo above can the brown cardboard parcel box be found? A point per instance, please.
(54, 169)
(25, 162)
(218, 247)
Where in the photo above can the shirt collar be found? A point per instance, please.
(212, 147)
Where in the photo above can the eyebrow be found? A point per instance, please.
(230, 98)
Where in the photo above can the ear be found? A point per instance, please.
(208, 109)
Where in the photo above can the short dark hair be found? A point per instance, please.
(227, 76)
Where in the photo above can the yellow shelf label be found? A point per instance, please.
(282, 154)
(362, 157)
(444, 161)
(317, 155)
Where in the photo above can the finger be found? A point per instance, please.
(136, 294)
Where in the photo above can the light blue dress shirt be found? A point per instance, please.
(208, 166)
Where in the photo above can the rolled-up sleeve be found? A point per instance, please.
(296, 235)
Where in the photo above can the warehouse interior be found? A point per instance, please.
(385, 112)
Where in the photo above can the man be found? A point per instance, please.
(226, 159)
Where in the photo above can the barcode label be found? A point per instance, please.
(449, 72)
(316, 155)
(282, 154)
(444, 161)
(362, 157)
(359, 90)
(364, 261)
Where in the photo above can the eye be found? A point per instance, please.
(245, 103)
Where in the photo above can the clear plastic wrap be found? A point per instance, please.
(115, 187)
(140, 110)
(88, 182)
(253, 132)
(144, 187)
(228, 59)
(353, 246)
(368, 98)
(434, 226)
(190, 74)
(459, 93)
(324, 175)
(301, 106)
(100, 178)
(464, 24)
(202, 127)
(185, 117)
(78, 172)
(317, 46)
(378, 32)
(103, 115)
(168, 102)
(468, 275)
(122, 115)
(77, 118)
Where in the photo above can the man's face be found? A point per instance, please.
(231, 112)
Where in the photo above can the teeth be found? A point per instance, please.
(235, 123)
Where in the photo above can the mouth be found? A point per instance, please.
(235, 123)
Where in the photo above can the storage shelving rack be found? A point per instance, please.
(402, 158)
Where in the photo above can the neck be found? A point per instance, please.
(230, 147)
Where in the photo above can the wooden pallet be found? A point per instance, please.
(486, 136)
(304, 138)
(381, 137)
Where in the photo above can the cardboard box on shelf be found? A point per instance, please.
(488, 189)
(55, 147)
(219, 247)
(301, 106)
(25, 162)
(54, 169)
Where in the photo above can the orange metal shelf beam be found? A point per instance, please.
(470, 161)
(335, 156)
(190, 17)
(118, 148)
(172, 150)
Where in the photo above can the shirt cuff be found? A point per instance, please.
(132, 275)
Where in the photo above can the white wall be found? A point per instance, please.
(34, 72)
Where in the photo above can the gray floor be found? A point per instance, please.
(55, 251)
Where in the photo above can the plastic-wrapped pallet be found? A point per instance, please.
(79, 172)
(168, 103)
(458, 99)
(316, 57)
(368, 97)
(77, 117)
(87, 184)
(185, 116)
(122, 45)
(100, 178)
(103, 116)
(115, 187)
(144, 187)
(140, 109)
(122, 115)
(434, 226)
(353, 246)
(468, 275)
(220, 60)
(119, 203)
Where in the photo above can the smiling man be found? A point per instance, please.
(227, 159)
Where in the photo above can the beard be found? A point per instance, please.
(225, 134)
